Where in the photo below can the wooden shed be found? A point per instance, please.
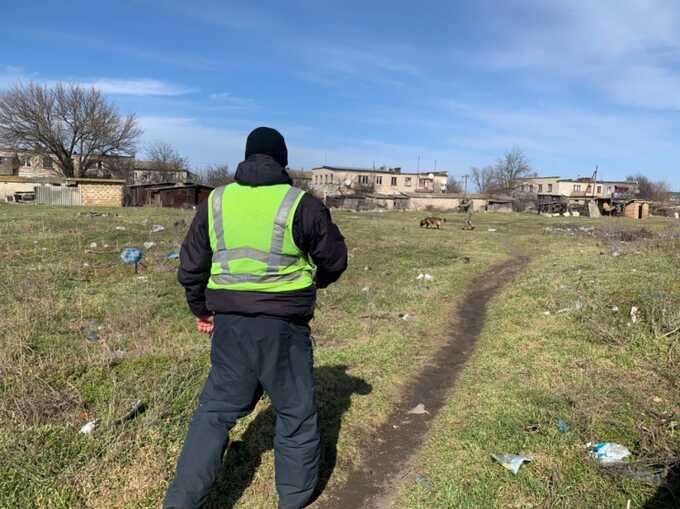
(636, 209)
(164, 195)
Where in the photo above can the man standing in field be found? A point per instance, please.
(251, 262)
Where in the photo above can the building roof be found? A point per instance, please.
(141, 164)
(95, 181)
(170, 185)
(385, 171)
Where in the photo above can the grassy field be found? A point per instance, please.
(374, 331)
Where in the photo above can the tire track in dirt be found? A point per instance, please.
(396, 442)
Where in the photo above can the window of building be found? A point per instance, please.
(599, 189)
(26, 162)
(589, 189)
(577, 187)
(47, 162)
(407, 181)
(378, 180)
(363, 179)
(550, 188)
(531, 188)
(540, 188)
(393, 181)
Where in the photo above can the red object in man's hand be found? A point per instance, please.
(205, 324)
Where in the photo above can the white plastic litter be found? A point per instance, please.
(93, 245)
(492, 230)
(511, 461)
(89, 427)
(609, 452)
(149, 245)
(635, 314)
(365, 289)
(157, 228)
(120, 228)
(424, 277)
(419, 409)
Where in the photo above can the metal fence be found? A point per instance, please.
(65, 196)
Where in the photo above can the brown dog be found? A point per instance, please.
(432, 222)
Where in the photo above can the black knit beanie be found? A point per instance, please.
(265, 140)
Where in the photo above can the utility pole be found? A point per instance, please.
(435, 165)
(465, 188)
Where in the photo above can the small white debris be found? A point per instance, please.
(149, 245)
(657, 399)
(120, 228)
(86, 264)
(616, 254)
(365, 289)
(157, 228)
(492, 230)
(366, 268)
(93, 245)
(89, 427)
(615, 308)
(106, 246)
(635, 314)
(547, 313)
(419, 409)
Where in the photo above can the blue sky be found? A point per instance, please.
(573, 83)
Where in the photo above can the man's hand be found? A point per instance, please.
(205, 324)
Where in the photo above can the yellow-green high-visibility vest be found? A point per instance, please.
(251, 236)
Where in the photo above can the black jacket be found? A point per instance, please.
(313, 232)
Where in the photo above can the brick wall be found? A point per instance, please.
(105, 195)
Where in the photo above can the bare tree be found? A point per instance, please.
(67, 123)
(510, 168)
(485, 179)
(453, 186)
(165, 157)
(650, 190)
(217, 175)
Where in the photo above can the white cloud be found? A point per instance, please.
(136, 87)
(229, 101)
(628, 50)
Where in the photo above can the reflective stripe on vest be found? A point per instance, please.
(274, 260)
(283, 267)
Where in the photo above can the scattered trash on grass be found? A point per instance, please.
(406, 316)
(492, 230)
(366, 268)
(157, 228)
(120, 228)
(421, 479)
(609, 452)
(93, 337)
(615, 308)
(365, 289)
(149, 245)
(138, 409)
(172, 256)
(424, 277)
(635, 314)
(93, 245)
(511, 461)
(131, 256)
(89, 427)
(534, 427)
(547, 313)
(419, 409)
(562, 426)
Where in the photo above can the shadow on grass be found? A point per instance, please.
(334, 388)
(668, 494)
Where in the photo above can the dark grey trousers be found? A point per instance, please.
(249, 355)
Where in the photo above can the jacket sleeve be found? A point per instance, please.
(195, 261)
(315, 233)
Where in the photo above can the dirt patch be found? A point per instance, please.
(394, 443)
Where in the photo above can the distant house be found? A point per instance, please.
(301, 179)
(31, 165)
(151, 172)
(334, 180)
(579, 188)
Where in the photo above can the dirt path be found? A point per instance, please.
(397, 441)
